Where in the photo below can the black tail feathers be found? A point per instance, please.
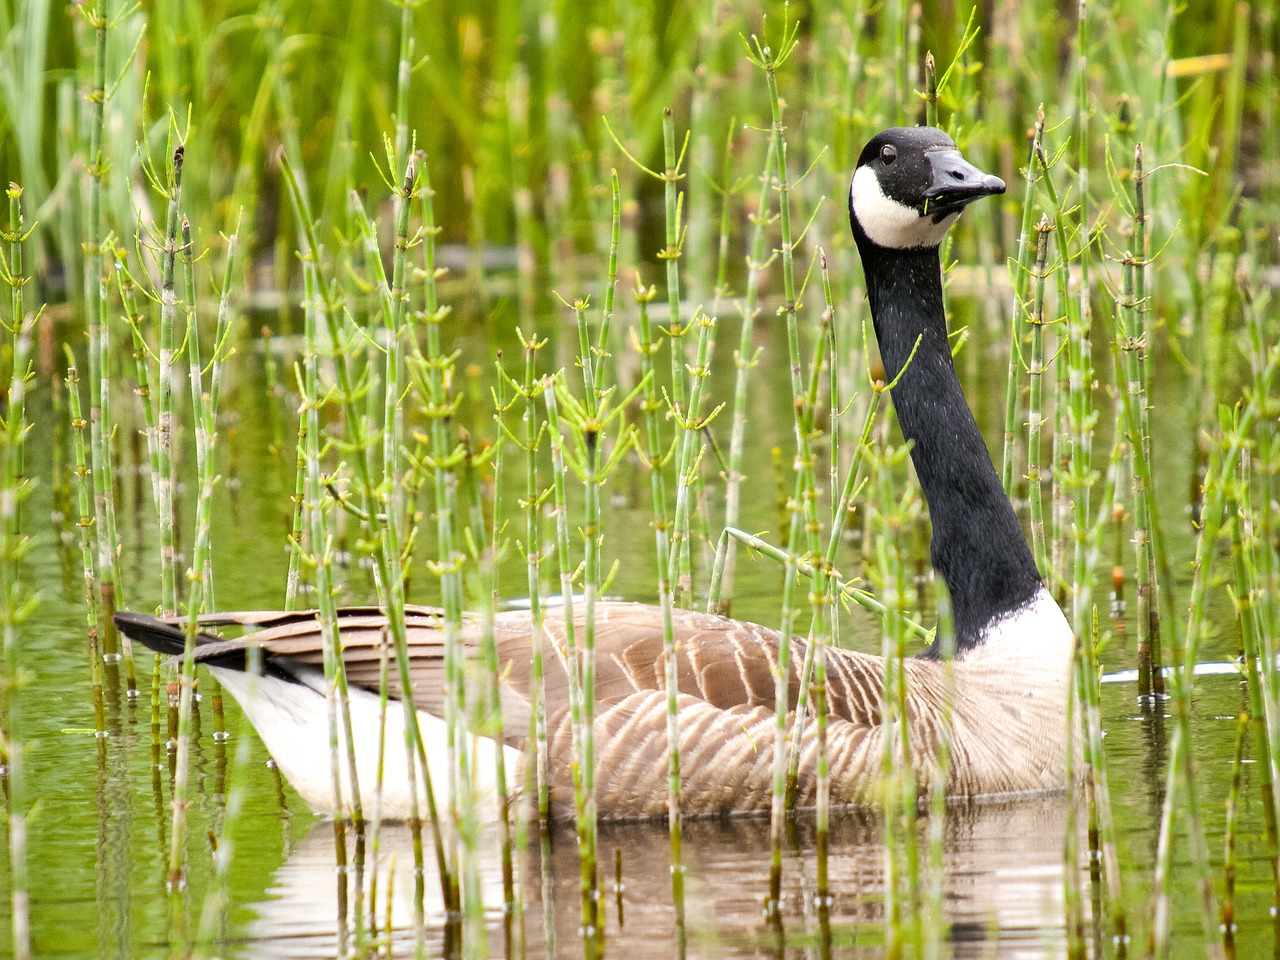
(152, 632)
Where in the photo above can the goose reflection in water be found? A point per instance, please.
(1002, 890)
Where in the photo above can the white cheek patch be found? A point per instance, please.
(889, 223)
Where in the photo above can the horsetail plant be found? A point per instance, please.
(587, 422)
(14, 607)
(655, 459)
(1035, 375)
(84, 502)
(1021, 272)
(387, 554)
(745, 359)
(102, 20)
(165, 404)
(768, 62)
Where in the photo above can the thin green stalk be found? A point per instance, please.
(100, 18)
(1035, 377)
(673, 205)
(534, 496)
(15, 607)
(1249, 594)
(592, 437)
(572, 658)
(655, 458)
(689, 458)
(1148, 605)
(745, 359)
(92, 597)
(768, 62)
(165, 409)
(1229, 831)
(1020, 274)
(387, 555)
(1133, 346)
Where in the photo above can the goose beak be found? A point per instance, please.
(956, 184)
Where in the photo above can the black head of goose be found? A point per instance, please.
(1007, 690)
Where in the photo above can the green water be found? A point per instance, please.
(98, 833)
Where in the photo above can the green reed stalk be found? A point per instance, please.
(438, 406)
(201, 589)
(806, 492)
(745, 359)
(1228, 924)
(1261, 348)
(673, 205)
(165, 414)
(1089, 697)
(819, 632)
(1079, 416)
(101, 20)
(1224, 458)
(1020, 276)
(1148, 605)
(393, 298)
(321, 558)
(222, 328)
(1072, 910)
(84, 497)
(404, 66)
(600, 352)
(1248, 596)
(764, 58)
(647, 346)
(1256, 559)
(896, 771)
(692, 425)
(492, 722)
(930, 90)
(198, 574)
(1133, 346)
(592, 430)
(441, 464)
(293, 580)
(932, 916)
(127, 288)
(14, 606)
(534, 497)
(487, 710)
(387, 555)
(1035, 377)
(572, 657)
(217, 901)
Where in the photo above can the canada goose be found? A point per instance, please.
(1013, 645)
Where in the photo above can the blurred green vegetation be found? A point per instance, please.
(512, 93)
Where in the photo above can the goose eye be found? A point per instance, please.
(888, 154)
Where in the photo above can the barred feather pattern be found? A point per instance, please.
(1005, 701)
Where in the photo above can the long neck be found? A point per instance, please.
(978, 546)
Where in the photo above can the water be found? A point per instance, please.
(99, 839)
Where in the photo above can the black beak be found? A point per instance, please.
(956, 183)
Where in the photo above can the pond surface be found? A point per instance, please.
(98, 836)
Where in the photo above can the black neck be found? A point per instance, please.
(978, 546)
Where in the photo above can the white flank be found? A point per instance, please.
(293, 721)
(1011, 693)
(889, 223)
(1037, 631)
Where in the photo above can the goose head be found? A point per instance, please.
(910, 185)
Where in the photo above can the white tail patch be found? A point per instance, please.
(292, 718)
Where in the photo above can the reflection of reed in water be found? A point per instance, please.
(1002, 887)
